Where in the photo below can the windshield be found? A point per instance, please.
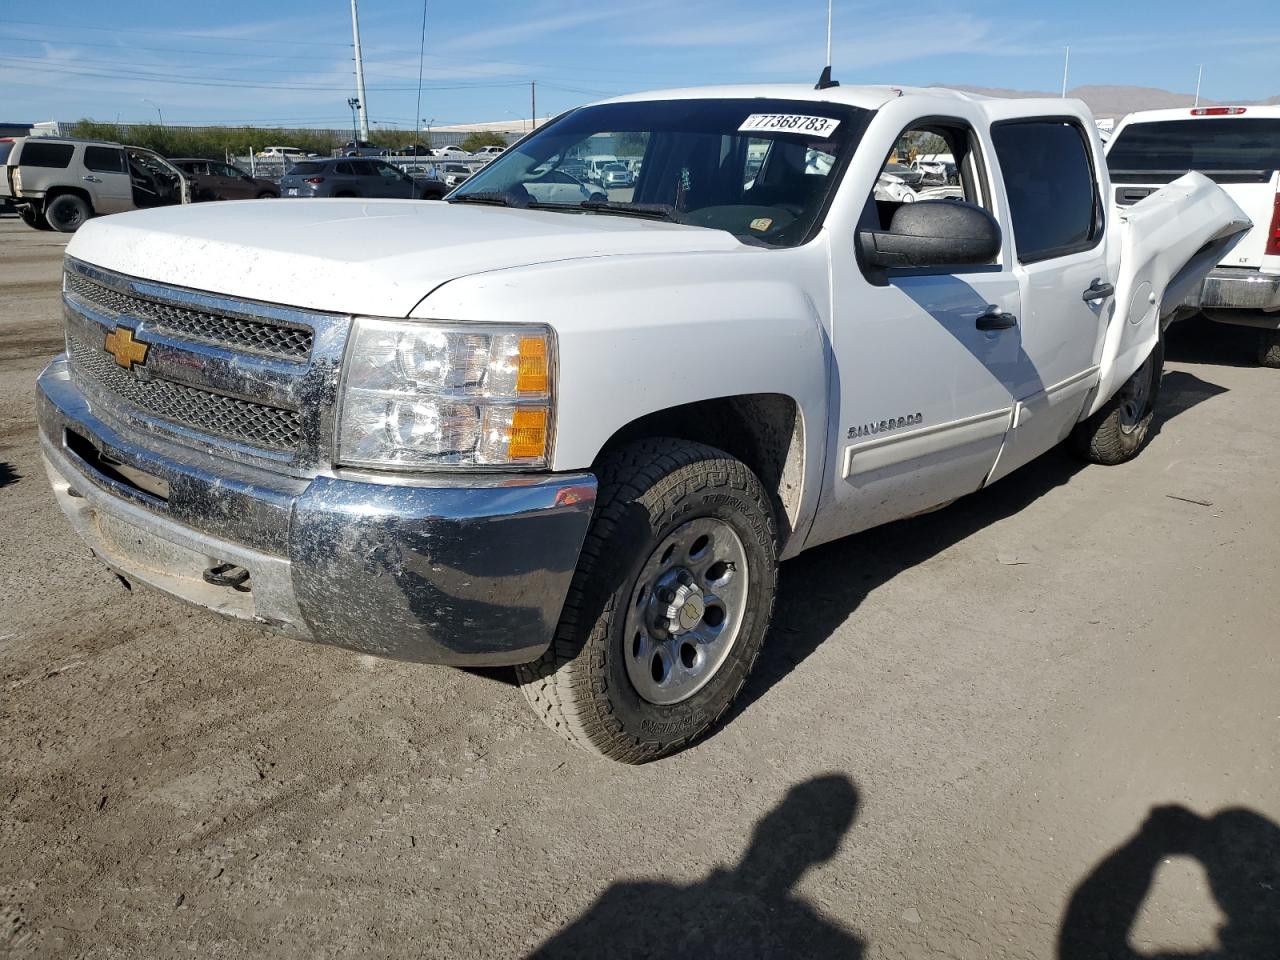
(759, 169)
(1172, 147)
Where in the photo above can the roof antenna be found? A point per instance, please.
(825, 80)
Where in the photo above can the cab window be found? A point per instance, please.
(104, 159)
(1049, 178)
(938, 159)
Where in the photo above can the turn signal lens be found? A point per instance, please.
(528, 434)
(533, 376)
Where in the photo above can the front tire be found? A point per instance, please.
(67, 213)
(668, 607)
(1117, 432)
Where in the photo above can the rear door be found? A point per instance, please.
(107, 175)
(1047, 167)
(232, 184)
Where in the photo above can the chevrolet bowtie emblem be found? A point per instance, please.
(127, 351)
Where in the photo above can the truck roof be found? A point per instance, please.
(867, 97)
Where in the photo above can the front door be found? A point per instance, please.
(925, 358)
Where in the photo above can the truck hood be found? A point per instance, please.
(377, 257)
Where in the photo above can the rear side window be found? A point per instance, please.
(1169, 148)
(6, 146)
(104, 159)
(306, 169)
(38, 154)
(1048, 175)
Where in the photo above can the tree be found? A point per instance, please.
(475, 141)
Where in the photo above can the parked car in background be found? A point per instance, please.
(58, 183)
(353, 177)
(215, 180)
(454, 173)
(557, 186)
(414, 150)
(450, 150)
(363, 148)
(490, 151)
(912, 178)
(283, 153)
(891, 188)
(933, 173)
(616, 175)
(1239, 149)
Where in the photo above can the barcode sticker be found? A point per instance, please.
(788, 123)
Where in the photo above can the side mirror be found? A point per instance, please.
(933, 233)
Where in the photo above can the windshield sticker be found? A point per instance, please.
(789, 123)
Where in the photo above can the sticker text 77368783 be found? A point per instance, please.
(788, 123)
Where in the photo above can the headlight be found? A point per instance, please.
(421, 394)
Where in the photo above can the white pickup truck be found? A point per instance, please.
(578, 437)
(1239, 149)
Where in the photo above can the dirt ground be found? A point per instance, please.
(964, 739)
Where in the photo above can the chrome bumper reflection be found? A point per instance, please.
(1237, 288)
(461, 571)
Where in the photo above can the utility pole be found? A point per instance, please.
(533, 104)
(1066, 65)
(361, 106)
(1199, 77)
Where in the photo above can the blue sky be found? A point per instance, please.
(289, 61)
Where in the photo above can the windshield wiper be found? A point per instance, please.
(652, 211)
(493, 197)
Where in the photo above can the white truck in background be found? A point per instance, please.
(578, 436)
(1239, 149)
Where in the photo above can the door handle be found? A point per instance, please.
(996, 321)
(1099, 290)
(91, 179)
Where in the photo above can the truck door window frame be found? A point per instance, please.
(1097, 229)
(975, 179)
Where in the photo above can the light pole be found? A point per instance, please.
(354, 104)
(157, 106)
(428, 123)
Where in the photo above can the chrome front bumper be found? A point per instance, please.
(469, 571)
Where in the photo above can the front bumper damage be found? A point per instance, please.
(466, 570)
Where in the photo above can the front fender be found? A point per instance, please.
(641, 334)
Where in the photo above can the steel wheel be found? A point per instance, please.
(1136, 399)
(686, 610)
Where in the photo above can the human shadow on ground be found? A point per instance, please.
(1240, 852)
(8, 475)
(1179, 392)
(746, 911)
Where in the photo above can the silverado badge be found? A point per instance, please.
(127, 351)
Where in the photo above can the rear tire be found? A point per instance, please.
(1119, 430)
(668, 607)
(67, 213)
(1269, 349)
(267, 195)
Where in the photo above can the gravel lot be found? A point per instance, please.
(958, 723)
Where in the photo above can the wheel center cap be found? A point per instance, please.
(685, 609)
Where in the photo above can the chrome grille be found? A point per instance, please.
(254, 424)
(234, 333)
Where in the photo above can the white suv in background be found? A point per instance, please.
(1239, 149)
